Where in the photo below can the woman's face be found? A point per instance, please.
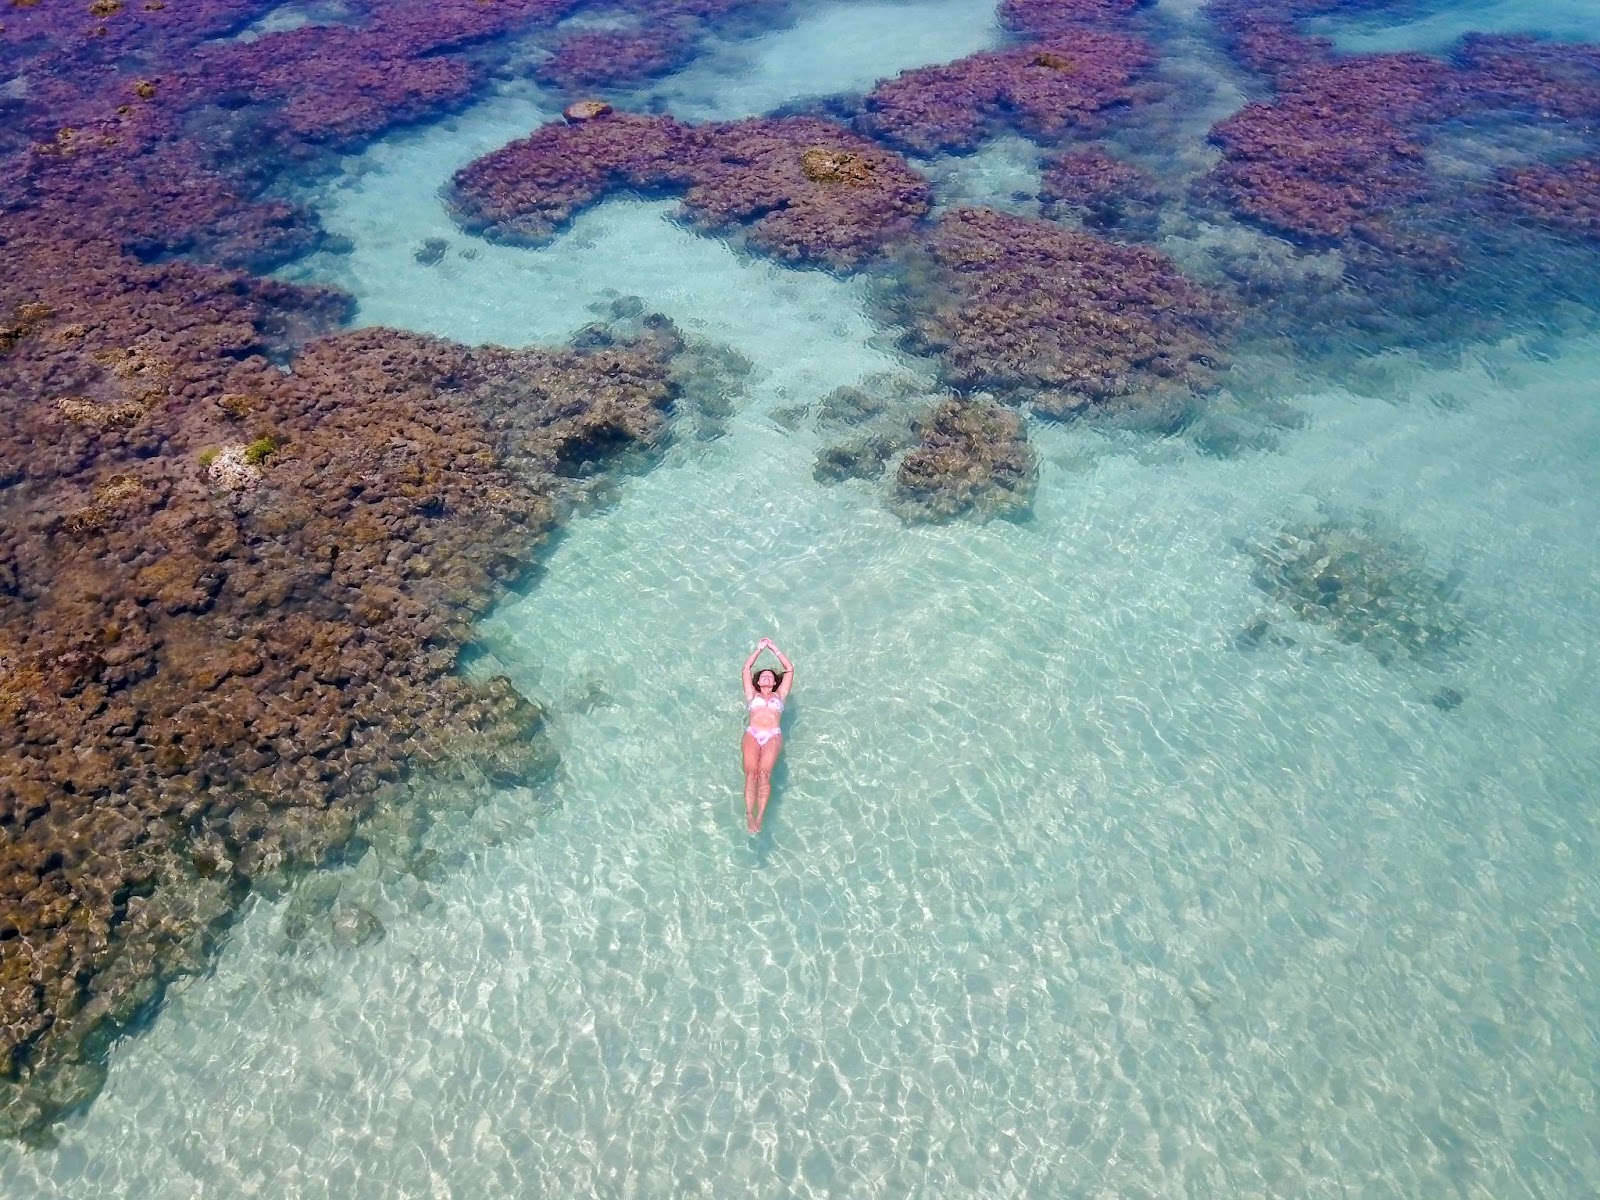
(766, 681)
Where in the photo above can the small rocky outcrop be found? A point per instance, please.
(972, 458)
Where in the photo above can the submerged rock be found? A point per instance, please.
(864, 457)
(353, 927)
(1367, 587)
(431, 252)
(972, 457)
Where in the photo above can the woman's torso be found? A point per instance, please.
(766, 712)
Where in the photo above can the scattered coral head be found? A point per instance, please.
(121, 414)
(144, 89)
(134, 364)
(1369, 586)
(1055, 62)
(105, 8)
(822, 165)
(119, 488)
(586, 110)
(28, 318)
(232, 469)
(238, 404)
(973, 455)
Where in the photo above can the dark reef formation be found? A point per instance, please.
(527, 190)
(800, 189)
(1104, 193)
(1070, 83)
(971, 457)
(601, 58)
(232, 601)
(1368, 587)
(241, 552)
(1430, 184)
(1331, 155)
(1056, 317)
(1339, 156)
(957, 455)
(1564, 197)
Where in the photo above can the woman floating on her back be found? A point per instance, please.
(764, 696)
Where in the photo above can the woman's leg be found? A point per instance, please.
(767, 759)
(752, 766)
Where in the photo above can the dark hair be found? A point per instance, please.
(777, 678)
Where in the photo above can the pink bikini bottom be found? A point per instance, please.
(763, 736)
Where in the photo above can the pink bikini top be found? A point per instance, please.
(775, 703)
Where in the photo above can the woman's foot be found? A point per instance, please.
(750, 822)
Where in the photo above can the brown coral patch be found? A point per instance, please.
(1055, 62)
(972, 457)
(131, 364)
(822, 165)
(27, 318)
(199, 687)
(238, 405)
(120, 414)
(1058, 317)
(119, 488)
(586, 110)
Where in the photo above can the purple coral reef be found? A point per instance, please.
(217, 650)
(1340, 154)
(1057, 317)
(1071, 82)
(603, 58)
(800, 189)
(1105, 193)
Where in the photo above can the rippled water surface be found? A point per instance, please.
(1091, 870)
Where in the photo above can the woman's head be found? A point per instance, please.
(768, 680)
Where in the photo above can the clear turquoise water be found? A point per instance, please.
(1433, 25)
(1062, 894)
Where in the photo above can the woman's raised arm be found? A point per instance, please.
(750, 684)
(788, 672)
